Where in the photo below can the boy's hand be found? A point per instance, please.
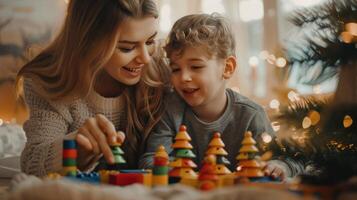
(95, 137)
(275, 170)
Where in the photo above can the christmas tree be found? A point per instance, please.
(216, 147)
(248, 166)
(118, 156)
(207, 175)
(327, 143)
(182, 166)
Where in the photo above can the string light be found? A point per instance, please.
(276, 126)
(274, 104)
(266, 138)
(350, 33)
(346, 37)
(351, 28)
(239, 168)
(253, 61)
(314, 117)
(306, 123)
(280, 62)
(347, 121)
(293, 96)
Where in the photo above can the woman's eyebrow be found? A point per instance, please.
(135, 42)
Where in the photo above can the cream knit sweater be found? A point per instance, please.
(50, 122)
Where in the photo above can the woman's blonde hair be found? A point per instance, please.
(212, 31)
(67, 68)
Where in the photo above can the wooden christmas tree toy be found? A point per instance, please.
(216, 147)
(182, 166)
(207, 177)
(248, 165)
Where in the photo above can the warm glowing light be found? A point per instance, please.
(250, 10)
(346, 37)
(1, 122)
(274, 104)
(210, 6)
(276, 126)
(314, 117)
(293, 96)
(280, 62)
(239, 168)
(351, 28)
(347, 121)
(66, 1)
(306, 123)
(266, 138)
(165, 18)
(253, 61)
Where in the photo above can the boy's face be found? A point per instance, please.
(198, 78)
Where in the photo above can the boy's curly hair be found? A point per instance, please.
(212, 31)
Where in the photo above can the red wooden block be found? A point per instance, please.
(124, 179)
(70, 153)
(159, 161)
(208, 185)
(175, 172)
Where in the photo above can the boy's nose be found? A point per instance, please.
(186, 76)
(144, 56)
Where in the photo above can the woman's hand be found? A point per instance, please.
(95, 137)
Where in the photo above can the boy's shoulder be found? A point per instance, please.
(240, 100)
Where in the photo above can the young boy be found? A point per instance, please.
(201, 50)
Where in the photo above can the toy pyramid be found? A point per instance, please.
(69, 156)
(182, 166)
(216, 147)
(118, 156)
(207, 176)
(161, 169)
(248, 166)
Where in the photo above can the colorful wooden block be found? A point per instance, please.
(70, 153)
(69, 144)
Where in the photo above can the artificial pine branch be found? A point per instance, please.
(330, 151)
(322, 44)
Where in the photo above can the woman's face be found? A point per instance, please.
(134, 48)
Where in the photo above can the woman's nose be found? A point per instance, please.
(144, 56)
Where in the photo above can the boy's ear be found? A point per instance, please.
(230, 67)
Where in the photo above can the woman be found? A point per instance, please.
(97, 77)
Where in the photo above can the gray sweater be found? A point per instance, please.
(241, 115)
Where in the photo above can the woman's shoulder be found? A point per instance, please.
(36, 101)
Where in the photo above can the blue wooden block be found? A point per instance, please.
(92, 177)
(135, 171)
(69, 144)
(264, 179)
